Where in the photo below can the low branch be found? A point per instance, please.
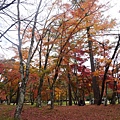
(7, 5)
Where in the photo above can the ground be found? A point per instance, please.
(88, 112)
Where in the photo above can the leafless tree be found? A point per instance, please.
(19, 22)
(24, 71)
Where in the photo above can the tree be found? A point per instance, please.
(107, 68)
(93, 26)
(10, 78)
(94, 81)
(24, 71)
(72, 23)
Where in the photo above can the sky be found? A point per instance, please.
(114, 12)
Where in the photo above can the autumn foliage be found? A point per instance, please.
(51, 61)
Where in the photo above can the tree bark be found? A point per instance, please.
(52, 97)
(96, 90)
(31, 95)
(20, 102)
(39, 96)
(69, 91)
(17, 97)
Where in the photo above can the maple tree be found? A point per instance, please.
(103, 69)
(10, 80)
(107, 68)
(45, 48)
(93, 25)
(2, 90)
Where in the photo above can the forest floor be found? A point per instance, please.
(87, 112)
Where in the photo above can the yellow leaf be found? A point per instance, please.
(108, 61)
(96, 73)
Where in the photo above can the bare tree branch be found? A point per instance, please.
(7, 5)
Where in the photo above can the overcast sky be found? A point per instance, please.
(113, 12)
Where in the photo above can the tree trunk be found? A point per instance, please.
(113, 100)
(69, 91)
(8, 100)
(17, 95)
(61, 99)
(32, 98)
(20, 101)
(106, 94)
(66, 97)
(96, 90)
(52, 97)
(39, 96)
